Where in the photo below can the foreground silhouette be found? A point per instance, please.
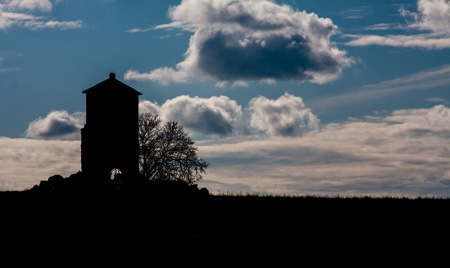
(121, 221)
(116, 139)
(81, 183)
(171, 223)
(166, 152)
(109, 139)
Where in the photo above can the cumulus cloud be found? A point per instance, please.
(432, 16)
(148, 107)
(285, 116)
(11, 14)
(251, 40)
(214, 115)
(403, 153)
(57, 125)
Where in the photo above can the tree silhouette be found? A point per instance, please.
(166, 152)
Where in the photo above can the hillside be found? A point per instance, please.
(143, 226)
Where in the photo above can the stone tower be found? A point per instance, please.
(109, 139)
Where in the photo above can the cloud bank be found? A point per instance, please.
(11, 14)
(25, 162)
(405, 153)
(432, 16)
(250, 40)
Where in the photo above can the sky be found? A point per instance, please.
(288, 97)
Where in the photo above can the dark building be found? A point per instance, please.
(109, 139)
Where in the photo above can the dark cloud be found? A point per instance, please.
(250, 40)
(224, 58)
(57, 128)
(57, 125)
(214, 115)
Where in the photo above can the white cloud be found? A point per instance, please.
(25, 162)
(439, 117)
(438, 100)
(164, 76)
(4, 21)
(19, 16)
(434, 15)
(285, 116)
(148, 107)
(10, 16)
(57, 125)
(52, 24)
(169, 26)
(250, 40)
(138, 30)
(431, 15)
(427, 41)
(44, 5)
(404, 153)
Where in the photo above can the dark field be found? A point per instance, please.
(140, 227)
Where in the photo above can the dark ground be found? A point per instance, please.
(141, 227)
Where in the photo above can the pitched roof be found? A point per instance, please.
(111, 84)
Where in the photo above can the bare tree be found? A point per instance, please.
(166, 152)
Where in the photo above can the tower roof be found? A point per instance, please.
(111, 84)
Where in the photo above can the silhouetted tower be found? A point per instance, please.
(109, 139)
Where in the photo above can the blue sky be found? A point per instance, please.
(239, 74)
